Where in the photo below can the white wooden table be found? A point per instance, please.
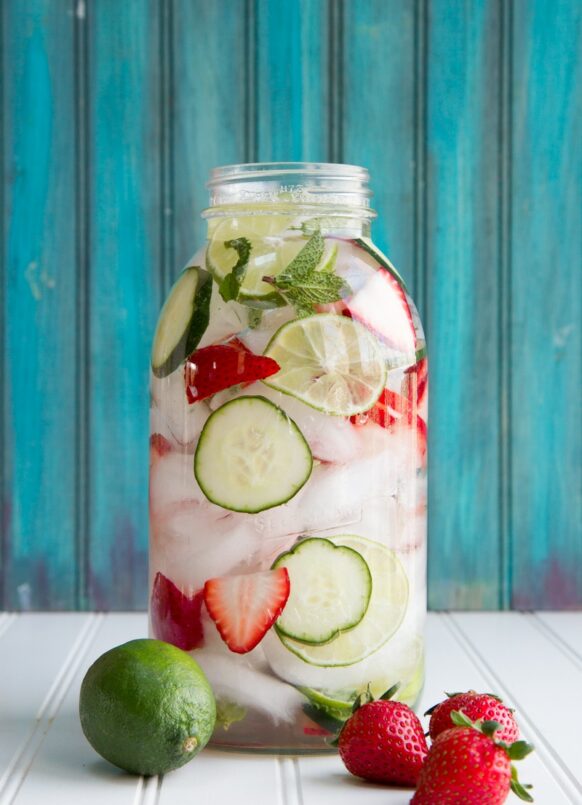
(534, 661)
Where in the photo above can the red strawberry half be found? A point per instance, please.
(466, 764)
(383, 741)
(484, 706)
(175, 616)
(393, 410)
(220, 366)
(245, 607)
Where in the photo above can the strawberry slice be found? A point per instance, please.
(393, 410)
(159, 446)
(176, 617)
(219, 366)
(420, 370)
(245, 607)
(383, 307)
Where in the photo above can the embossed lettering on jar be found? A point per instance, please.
(289, 394)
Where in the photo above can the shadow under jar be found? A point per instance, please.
(288, 443)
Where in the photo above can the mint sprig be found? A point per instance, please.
(229, 287)
(303, 285)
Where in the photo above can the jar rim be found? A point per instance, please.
(312, 186)
(261, 170)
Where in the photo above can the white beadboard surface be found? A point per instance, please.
(534, 661)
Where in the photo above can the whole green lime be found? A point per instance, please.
(147, 707)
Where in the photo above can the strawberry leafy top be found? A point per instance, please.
(515, 751)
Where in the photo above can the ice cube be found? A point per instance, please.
(235, 680)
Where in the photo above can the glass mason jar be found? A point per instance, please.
(288, 459)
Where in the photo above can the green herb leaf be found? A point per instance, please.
(304, 263)
(303, 285)
(230, 286)
(255, 317)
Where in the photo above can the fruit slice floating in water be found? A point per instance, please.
(159, 447)
(245, 607)
(220, 366)
(331, 587)
(329, 362)
(392, 410)
(270, 253)
(183, 320)
(380, 303)
(175, 616)
(384, 615)
(251, 456)
(272, 248)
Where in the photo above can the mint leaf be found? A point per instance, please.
(255, 317)
(229, 287)
(304, 263)
(304, 285)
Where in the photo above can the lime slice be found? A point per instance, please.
(338, 704)
(274, 244)
(330, 362)
(384, 615)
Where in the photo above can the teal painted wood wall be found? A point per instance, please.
(468, 114)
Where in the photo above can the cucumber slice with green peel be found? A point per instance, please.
(383, 617)
(331, 586)
(183, 320)
(251, 456)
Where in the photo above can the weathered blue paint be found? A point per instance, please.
(469, 117)
(124, 291)
(546, 316)
(463, 300)
(38, 377)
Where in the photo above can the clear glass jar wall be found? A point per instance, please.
(289, 397)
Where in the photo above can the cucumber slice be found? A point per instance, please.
(383, 617)
(183, 320)
(331, 586)
(251, 456)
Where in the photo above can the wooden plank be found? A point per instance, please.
(546, 360)
(209, 108)
(379, 117)
(39, 305)
(567, 626)
(64, 754)
(291, 80)
(463, 298)
(224, 777)
(125, 294)
(324, 781)
(26, 693)
(505, 646)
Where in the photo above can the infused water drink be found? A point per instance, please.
(288, 454)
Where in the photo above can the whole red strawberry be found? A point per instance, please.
(466, 765)
(476, 706)
(383, 741)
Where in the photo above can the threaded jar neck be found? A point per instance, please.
(311, 188)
